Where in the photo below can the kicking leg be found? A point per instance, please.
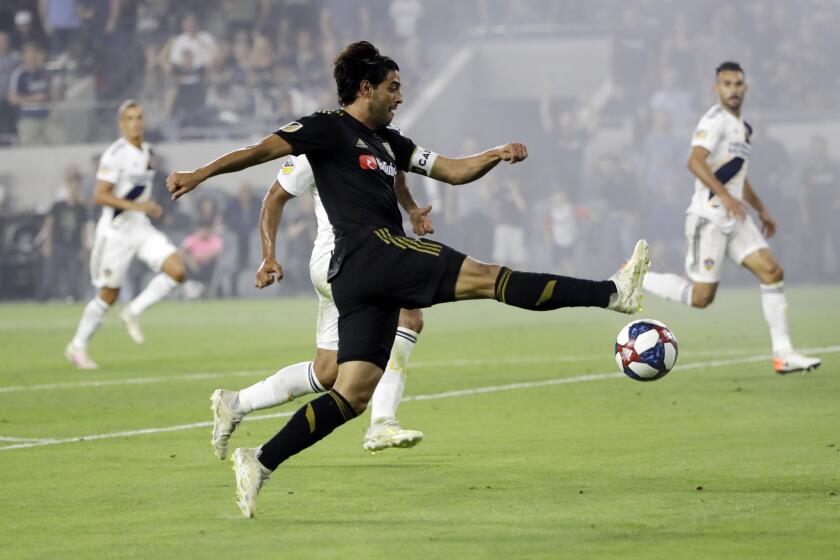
(543, 292)
(774, 304)
(384, 430)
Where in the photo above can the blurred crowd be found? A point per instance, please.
(222, 68)
(230, 68)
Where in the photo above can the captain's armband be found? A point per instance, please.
(422, 161)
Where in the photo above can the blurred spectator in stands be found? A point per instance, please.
(241, 217)
(61, 23)
(663, 153)
(673, 99)
(821, 206)
(26, 30)
(9, 61)
(405, 16)
(30, 92)
(64, 241)
(565, 136)
(200, 44)
(561, 231)
(202, 248)
(632, 58)
(770, 172)
(185, 100)
(509, 212)
(678, 52)
(241, 14)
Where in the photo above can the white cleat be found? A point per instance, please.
(251, 476)
(628, 281)
(389, 433)
(225, 420)
(79, 357)
(133, 326)
(793, 362)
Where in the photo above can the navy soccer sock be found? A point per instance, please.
(543, 292)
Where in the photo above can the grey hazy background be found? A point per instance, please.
(605, 93)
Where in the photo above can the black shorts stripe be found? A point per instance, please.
(405, 243)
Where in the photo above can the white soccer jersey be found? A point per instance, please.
(727, 138)
(128, 168)
(297, 179)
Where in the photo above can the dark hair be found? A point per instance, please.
(729, 66)
(357, 62)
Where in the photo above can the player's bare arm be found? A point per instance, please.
(104, 196)
(459, 171)
(271, 213)
(768, 224)
(269, 148)
(421, 224)
(698, 166)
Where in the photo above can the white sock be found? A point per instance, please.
(388, 394)
(92, 317)
(774, 303)
(286, 385)
(669, 286)
(159, 287)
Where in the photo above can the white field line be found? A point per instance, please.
(7, 438)
(428, 397)
(416, 365)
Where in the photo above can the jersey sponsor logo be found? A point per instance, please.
(288, 166)
(293, 126)
(367, 161)
(360, 144)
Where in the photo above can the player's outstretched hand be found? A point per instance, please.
(180, 183)
(513, 152)
(768, 225)
(151, 209)
(735, 208)
(421, 223)
(267, 272)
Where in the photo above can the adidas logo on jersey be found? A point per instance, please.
(360, 144)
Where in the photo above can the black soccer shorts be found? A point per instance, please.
(374, 275)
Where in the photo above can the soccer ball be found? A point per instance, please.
(645, 350)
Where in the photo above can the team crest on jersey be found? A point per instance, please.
(389, 150)
(699, 134)
(709, 264)
(293, 126)
(288, 166)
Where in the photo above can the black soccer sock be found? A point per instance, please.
(543, 292)
(312, 422)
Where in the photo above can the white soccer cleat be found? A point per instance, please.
(132, 325)
(251, 476)
(793, 362)
(79, 357)
(225, 420)
(628, 281)
(389, 433)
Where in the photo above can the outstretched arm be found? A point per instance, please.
(698, 166)
(467, 169)
(270, 215)
(271, 147)
(768, 224)
(421, 224)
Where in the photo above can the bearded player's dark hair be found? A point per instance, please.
(358, 62)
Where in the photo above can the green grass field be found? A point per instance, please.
(721, 459)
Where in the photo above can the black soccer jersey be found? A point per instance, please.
(354, 168)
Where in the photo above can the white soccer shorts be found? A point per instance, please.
(113, 252)
(326, 330)
(708, 244)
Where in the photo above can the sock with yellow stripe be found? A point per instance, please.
(543, 292)
(311, 423)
